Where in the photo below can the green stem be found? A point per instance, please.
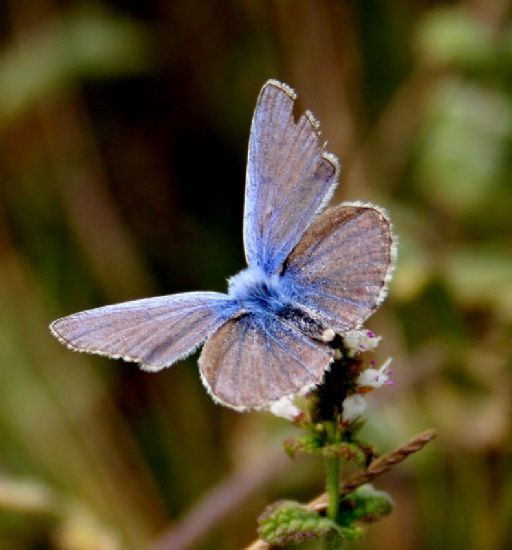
(332, 482)
(332, 478)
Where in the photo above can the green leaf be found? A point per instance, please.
(309, 444)
(288, 522)
(347, 451)
(317, 444)
(366, 504)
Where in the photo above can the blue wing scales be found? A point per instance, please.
(341, 268)
(254, 360)
(290, 178)
(155, 332)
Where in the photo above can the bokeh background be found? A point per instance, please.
(123, 135)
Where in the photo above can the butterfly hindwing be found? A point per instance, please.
(289, 178)
(341, 268)
(253, 360)
(154, 332)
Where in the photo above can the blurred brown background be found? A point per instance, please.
(123, 134)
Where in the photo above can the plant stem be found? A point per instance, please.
(332, 479)
(332, 483)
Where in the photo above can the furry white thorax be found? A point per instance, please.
(241, 286)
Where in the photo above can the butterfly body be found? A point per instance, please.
(258, 293)
(311, 273)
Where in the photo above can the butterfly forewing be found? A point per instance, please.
(340, 269)
(155, 332)
(252, 361)
(289, 178)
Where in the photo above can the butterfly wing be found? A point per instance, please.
(154, 332)
(341, 268)
(252, 361)
(289, 178)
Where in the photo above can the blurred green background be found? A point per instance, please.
(123, 135)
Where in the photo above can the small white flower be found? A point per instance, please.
(328, 335)
(336, 353)
(375, 378)
(353, 407)
(284, 408)
(358, 341)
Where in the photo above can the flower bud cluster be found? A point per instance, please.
(359, 341)
(354, 405)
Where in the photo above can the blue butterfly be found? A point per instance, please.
(313, 273)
